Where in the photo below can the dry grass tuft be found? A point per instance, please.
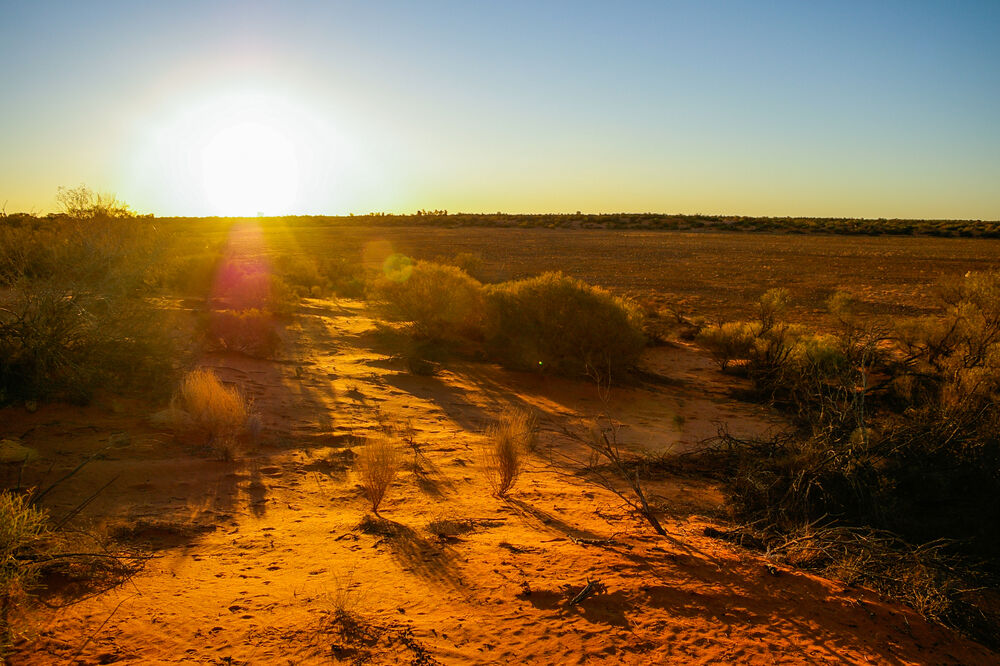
(449, 528)
(521, 425)
(346, 594)
(217, 412)
(509, 438)
(378, 464)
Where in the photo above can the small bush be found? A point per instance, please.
(557, 323)
(189, 274)
(299, 271)
(251, 284)
(503, 456)
(216, 412)
(346, 278)
(251, 332)
(727, 342)
(22, 526)
(470, 262)
(440, 302)
(378, 464)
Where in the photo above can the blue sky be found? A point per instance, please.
(800, 108)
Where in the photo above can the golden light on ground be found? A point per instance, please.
(250, 168)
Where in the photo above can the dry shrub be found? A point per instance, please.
(727, 342)
(378, 463)
(22, 526)
(251, 332)
(440, 302)
(897, 433)
(557, 323)
(449, 528)
(206, 406)
(503, 454)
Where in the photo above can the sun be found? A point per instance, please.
(250, 168)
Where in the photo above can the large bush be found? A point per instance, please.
(75, 312)
(439, 301)
(557, 323)
(897, 442)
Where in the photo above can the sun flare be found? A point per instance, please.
(250, 168)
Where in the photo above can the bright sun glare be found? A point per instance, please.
(250, 168)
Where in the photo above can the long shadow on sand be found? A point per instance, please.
(434, 562)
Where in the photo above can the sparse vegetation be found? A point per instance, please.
(897, 432)
(378, 464)
(881, 407)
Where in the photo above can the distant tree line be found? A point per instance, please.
(657, 221)
(82, 203)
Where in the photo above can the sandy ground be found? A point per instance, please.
(274, 558)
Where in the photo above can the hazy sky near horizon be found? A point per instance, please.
(860, 109)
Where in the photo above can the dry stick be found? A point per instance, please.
(106, 620)
(610, 452)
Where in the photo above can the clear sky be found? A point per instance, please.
(862, 109)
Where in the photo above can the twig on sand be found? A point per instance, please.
(591, 588)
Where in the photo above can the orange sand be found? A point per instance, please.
(255, 558)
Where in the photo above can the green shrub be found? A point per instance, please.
(727, 342)
(470, 262)
(299, 271)
(559, 324)
(439, 301)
